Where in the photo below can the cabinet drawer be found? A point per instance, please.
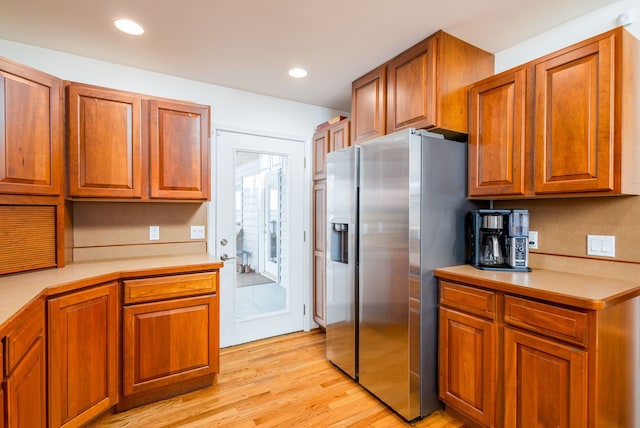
(561, 323)
(167, 287)
(469, 299)
(28, 329)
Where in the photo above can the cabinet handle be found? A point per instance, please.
(7, 354)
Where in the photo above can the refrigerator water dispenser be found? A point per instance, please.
(340, 242)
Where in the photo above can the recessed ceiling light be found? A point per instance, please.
(128, 26)
(298, 72)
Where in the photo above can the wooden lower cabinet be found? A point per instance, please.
(545, 382)
(3, 407)
(25, 389)
(83, 354)
(170, 336)
(508, 360)
(169, 342)
(467, 378)
(319, 249)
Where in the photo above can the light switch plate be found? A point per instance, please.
(197, 232)
(601, 245)
(154, 233)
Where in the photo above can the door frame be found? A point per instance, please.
(307, 295)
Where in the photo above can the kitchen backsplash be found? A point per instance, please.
(106, 230)
(563, 224)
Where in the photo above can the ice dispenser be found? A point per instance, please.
(340, 242)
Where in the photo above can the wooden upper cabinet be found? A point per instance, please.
(127, 146)
(574, 124)
(427, 85)
(497, 148)
(339, 135)
(411, 88)
(561, 125)
(368, 106)
(320, 149)
(179, 150)
(325, 140)
(31, 124)
(105, 150)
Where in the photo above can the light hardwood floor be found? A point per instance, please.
(279, 382)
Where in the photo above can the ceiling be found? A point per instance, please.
(251, 44)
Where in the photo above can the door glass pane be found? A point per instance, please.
(261, 286)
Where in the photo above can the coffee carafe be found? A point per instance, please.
(491, 235)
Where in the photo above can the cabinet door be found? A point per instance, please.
(168, 342)
(30, 131)
(3, 406)
(319, 216)
(497, 136)
(467, 359)
(105, 152)
(83, 354)
(545, 382)
(319, 247)
(179, 150)
(319, 290)
(574, 126)
(368, 106)
(26, 402)
(320, 149)
(339, 136)
(411, 88)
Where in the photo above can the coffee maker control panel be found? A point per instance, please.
(519, 252)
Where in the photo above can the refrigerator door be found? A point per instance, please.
(341, 263)
(389, 323)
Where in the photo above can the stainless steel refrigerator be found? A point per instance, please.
(395, 212)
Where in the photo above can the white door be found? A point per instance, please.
(259, 230)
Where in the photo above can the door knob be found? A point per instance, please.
(224, 257)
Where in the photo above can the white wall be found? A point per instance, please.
(229, 106)
(578, 29)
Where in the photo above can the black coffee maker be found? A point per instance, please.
(498, 239)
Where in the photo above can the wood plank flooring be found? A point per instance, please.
(279, 382)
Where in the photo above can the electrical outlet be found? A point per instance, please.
(601, 245)
(533, 240)
(197, 232)
(154, 233)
